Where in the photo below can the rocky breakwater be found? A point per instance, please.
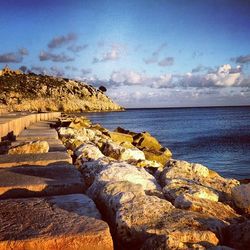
(150, 200)
(31, 92)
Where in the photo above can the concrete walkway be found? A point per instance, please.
(42, 205)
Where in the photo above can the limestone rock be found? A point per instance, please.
(120, 137)
(124, 131)
(241, 197)
(56, 222)
(162, 156)
(147, 216)
(33, 147)
(88, 151)
(177, 187)
(118, 152)
(122, 171)
(197, 174)
(211, 208)
(145, 140)
(80, 122)
(91, 169)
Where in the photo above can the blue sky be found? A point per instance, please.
(148, 53)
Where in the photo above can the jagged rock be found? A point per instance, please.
(34, 147)
(162, 156)
(145, 140)
(87, 152)
(241, 197)
(118, 152)
(197, 174)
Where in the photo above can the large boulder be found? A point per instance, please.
(122, 171)
(241, 197)
(33, 147)
(145, 140)
(162, 156)
(118, 152)
(147, 216)
(192, 173)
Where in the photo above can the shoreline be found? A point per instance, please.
(116, 163)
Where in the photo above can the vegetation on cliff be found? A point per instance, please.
(31, 92)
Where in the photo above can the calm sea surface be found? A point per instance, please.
(218, 138)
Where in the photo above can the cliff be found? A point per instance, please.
(30, 92)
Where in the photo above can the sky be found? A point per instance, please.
(147, 53)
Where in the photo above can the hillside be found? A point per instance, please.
(30, 92)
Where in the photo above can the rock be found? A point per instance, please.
(124, 131)
(56, 222)
(118, 152)
(80, 122)
(209, 207)
(237, 235)
(91, 169)
(241, 197)
(161, 156)
(88, 151)
(191, 173)
(120, 137)
(148, 216)
(33, 147)
(145, 140)
(122, 171)
(178, 187)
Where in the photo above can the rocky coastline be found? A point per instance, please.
(151, 200)
(42, 93)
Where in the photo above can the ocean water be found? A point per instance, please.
(217, 137)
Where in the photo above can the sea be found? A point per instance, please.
(217, 137)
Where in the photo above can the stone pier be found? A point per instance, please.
(42, 205)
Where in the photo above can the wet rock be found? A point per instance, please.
(118, 152)
(162, 156)
(192, 173)
(145, 140)
(241, 197)
(33, 147)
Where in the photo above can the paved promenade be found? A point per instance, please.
(42, 205)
